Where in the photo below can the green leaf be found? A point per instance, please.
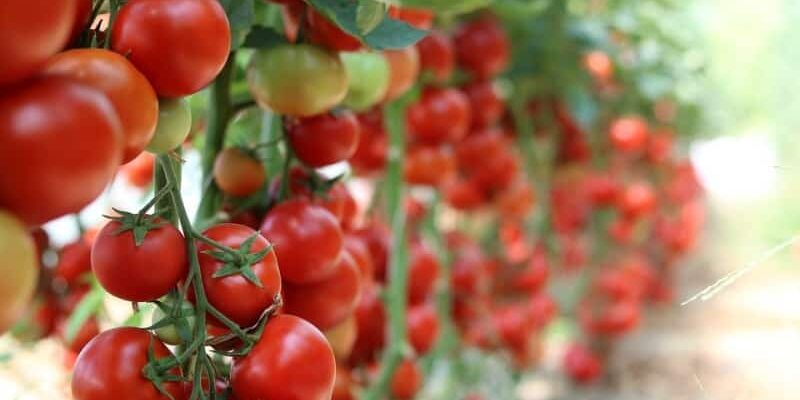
(369, 15)
(261, 37)
(89, 305)
(451, 7)
(241, 15)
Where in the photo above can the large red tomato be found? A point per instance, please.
(129, 270)
(441, 115)
(327, 303)
(292, 360)
(68, 138)
(482, 47)
(179, 45)
(31, 32)
(234, 295)
(110, 367)
(129, 91)
(307, 239)
(324, 139)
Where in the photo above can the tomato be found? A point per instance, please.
(418, 17)
(69, 156)
(19, 269)
(535, 275)
(238, 173)
(437, 55)
(513, 325)
(371, 322)
(629, 134)
(404, 70)
(368, 76)
(473, 151)
(542, 309)
(299, 80)
(373, 143)
(329, 302)
(361, 255)
(324, 139)
(174, 125)
(343, 388)
(581, 364)
(468, 275)
(126, 268)
(32, 31)
(497, 172)
(599, 65)
(602, 188)
(464, 194)
(139, 172)
(376, 236)
(485, 102)
(342, 337)
(179, 45)
(184, 319)
(407, 380)
(235, 295)
(636, 199)
(110, 367)
(423, 271)
(296, 226)
(516, 201)
(482, 47)
(74, 262)
(88, 331)
(659, 147)
(441, 115)
(609, 317)
(129, 91)
(83, 11)
(429, 165)
(323, 32)
(423, 327)
(291, 360)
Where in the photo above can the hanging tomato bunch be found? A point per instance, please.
(383, 187)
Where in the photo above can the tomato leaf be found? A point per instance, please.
(89, 305)
(388, 34)
(369, 15)
(262, 37)
(241, 15)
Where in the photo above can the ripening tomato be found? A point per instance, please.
(485, 102)
(629, 134)
(482, 47)
(437, 55)
(323, 32)
(370, 155)
(19, 269)
(110, 367)
(403, 69)
(139, 172)
(329, 302)
(299, 80)
(441, 115)
(237, 173)
(291, 360)
(636, 199)
(423, 327)
(429, 165)
(407, 380)
(69, 157)
(294, 228)
(234, 294)
(581, 364)
(371, 322)
(417, 17)
(173, 127)
(324, 139)
(32, 31)
(179, 45)
(129, 91)
(124, 264)
(423, 270)
(368, 76)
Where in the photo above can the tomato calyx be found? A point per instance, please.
(238, 261)
(157, 370)
(176, 314)
(138, 224)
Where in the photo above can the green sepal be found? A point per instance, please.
(139, 224)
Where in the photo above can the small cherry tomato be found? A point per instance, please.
(174, 125)
(407, 380)
(324, 139)
(440, 116)
(485, 102)
(437, 55)
(482, 47)
(368, 75)
(404, 71)
(238, 173)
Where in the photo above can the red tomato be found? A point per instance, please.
(485, 102)
(371, 322)
(179, 45)
(126, 269)
(325, 33)
(441, 115)
(292, 360)
(324, 139)
(343, 389)
(659, 147)
(139, 172)
(542, 309)
(234, 295)
(129, 91)
(429, 165)
(636, 199)
(581, 364)
(517, 200)
(88, 331)
(376, 236)
(612, 318)
(74, 261)
(414, 16)
(482, 47)
(69, 157)
(307, 240)
(329, 302)
(437, 55)
(238, 173)
(407, 380)
(468, 275)
(370, 155)
(464, 194)
(629, 134)
(536, 274)
(513, 325)
(423, 327)
(475, 149)
(361, 255)
(32, 31)
(403, 70)
(110, 367)
(423, 270)
(599, 65)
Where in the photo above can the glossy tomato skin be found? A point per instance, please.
(237, 173)
(403, 69)
(129, 271)
(298, 80)
(69, 157)
(129, 91)
(179, 45)
(437, 55)
(482, 47)
(324, 139)
(292, 360)
(235, 296)
(110, 367)
(32, 31)
(329, 302)
(370, 155)
(441, 115)
(18, 267)
(485, 102)
(629, 134)
(423, 327)
(295, 228)
(323, 32)
(407, 380)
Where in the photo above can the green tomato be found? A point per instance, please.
(369, 76)
(299, 80)
(174, 125)
(170, 334)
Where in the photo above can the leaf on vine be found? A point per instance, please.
(89, 305)
(241, 15)
(369, 15)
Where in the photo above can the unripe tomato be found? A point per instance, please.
(238, 173)
(179, 45)
(291, 360)
(69, 157)
(32, 31)
(368, 75)
(404, 71)
(19, 269)
(171, 334)
(174, 125)
(299, 80)
(407, 380)
(437, 55)
(323, 32)
(324, 139)
(441, 115)
(297, 226)
(485, 102)
(429, 165)
(629, 134)
(129, 91)
(482, 47)
(423, 327)
(581, 365)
